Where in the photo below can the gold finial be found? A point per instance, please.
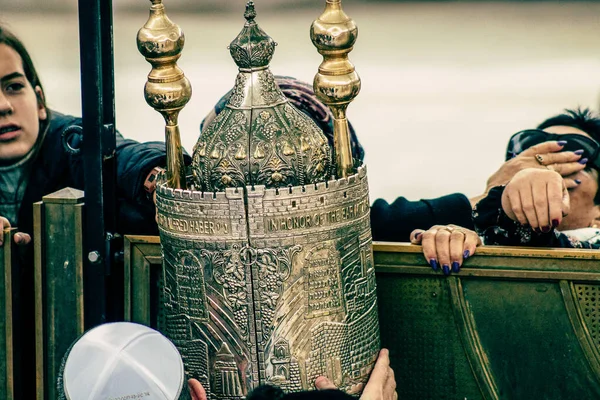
(167, 90)
(337, 83)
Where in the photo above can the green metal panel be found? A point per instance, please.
(526, 332)
(515, 323)
(418, 326)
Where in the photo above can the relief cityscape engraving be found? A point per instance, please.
(268, 269)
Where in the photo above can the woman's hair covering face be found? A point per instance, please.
(8, 38)
(302, 96)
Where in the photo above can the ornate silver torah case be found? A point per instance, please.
(268, 266)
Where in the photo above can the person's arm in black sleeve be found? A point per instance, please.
(496, 228)
(135, 161)
(394, 222)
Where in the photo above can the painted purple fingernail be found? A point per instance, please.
(455, 266)
(578, 152)
(466, 254)
(562, 142)
(446, 269)
(546, 229)
(555, 223)
(583, 161)
(577, 181)
(434, 264)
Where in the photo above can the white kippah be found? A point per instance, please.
(123, 361)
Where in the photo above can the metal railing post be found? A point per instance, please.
(98, 149)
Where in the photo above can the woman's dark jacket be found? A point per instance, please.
(394, 222)
(54, 169)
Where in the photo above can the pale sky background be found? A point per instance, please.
(444, 84)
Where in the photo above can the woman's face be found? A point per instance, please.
(583, 210)
(20, 111)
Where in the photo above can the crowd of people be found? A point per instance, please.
(546, 193)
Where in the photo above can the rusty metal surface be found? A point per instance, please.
(516, 323)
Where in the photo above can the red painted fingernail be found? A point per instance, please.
(546, 229)
(555, 223)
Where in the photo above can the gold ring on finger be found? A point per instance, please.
(540, 159)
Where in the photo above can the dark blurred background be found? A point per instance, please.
(444, 84)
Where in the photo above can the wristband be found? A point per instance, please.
(150, 182)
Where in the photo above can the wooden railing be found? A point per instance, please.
(515, 323)
(58, 244)
(7, 255)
